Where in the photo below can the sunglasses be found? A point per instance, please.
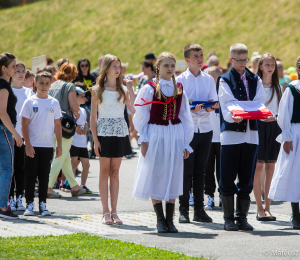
(84, 65)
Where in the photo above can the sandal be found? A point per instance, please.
(116, 220)
(76, 193)
(106, 222)
(53, 195)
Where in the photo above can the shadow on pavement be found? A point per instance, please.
(131, 227)
(208, 225)
(276, 233)
(186, 235)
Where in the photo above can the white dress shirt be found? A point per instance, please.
(200, 88)
(226, 95)
(273, 106)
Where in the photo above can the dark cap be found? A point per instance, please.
(150, 56)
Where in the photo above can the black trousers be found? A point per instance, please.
(213, 160)
(194, 169)
(38, 166)
(238, 160)
(19, 174)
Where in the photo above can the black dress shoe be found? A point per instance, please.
(184, 215)
(161, 221)
(264, 218)
(201, 216)
(169, 217)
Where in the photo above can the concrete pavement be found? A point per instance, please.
(83, 214)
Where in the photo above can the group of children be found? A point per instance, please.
(181, 147)
(202, 136)
(37, 123)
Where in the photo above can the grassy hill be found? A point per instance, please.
(129, 29)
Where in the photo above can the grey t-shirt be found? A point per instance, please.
(56, 92)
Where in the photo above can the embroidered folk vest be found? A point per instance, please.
(160, 114)
(296, 107)
(233, 79)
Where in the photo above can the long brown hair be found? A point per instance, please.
(298, 66)
(158, 62)
(275, 77)
(5, 59)
(106, 62)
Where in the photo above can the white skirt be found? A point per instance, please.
(285, 183)
(159, 175)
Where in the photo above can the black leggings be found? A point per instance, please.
(19, 174)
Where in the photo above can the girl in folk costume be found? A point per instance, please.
(110, 132)
(286, 180)
(164, 122)
(268, 149)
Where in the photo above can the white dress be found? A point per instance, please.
(285, 183)
(160, 174)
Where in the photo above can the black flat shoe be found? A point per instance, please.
(262, 218)
(271, 218)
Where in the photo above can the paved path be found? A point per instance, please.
(83, 214)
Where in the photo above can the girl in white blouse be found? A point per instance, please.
(164, 122)
(268, 131)
(110, 131)
(286, 180)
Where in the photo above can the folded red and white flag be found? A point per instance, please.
(248, 109)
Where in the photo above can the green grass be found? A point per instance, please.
(130, 28)
(79, 246)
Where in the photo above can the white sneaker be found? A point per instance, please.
(43, 210)
(191, 200)
(12, 204)
(29, 210)
(210, 203)
(19, 204)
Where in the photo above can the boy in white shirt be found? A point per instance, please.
(239, 139)
(79, 152)
(40, 120)
(198, 86)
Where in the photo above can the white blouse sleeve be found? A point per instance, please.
(185, 117)
(225, 96)
(285, 114)
(142, 113)
(260, 92)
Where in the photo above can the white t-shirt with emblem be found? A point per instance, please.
(41, 114)
(22, 94)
